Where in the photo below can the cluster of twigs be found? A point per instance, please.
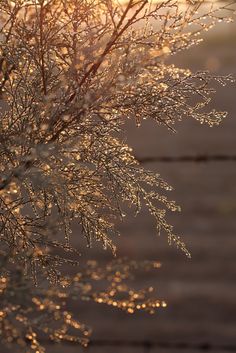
(71, 73)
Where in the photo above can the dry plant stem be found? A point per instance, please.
(41, 46)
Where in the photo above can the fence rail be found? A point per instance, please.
(199, 158)
(150, 345)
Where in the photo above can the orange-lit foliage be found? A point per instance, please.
(71, 73)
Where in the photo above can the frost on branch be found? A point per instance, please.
(28, 313)
(71, 74)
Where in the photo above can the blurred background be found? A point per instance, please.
(201, 292)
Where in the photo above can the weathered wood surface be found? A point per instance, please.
(201, 293)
